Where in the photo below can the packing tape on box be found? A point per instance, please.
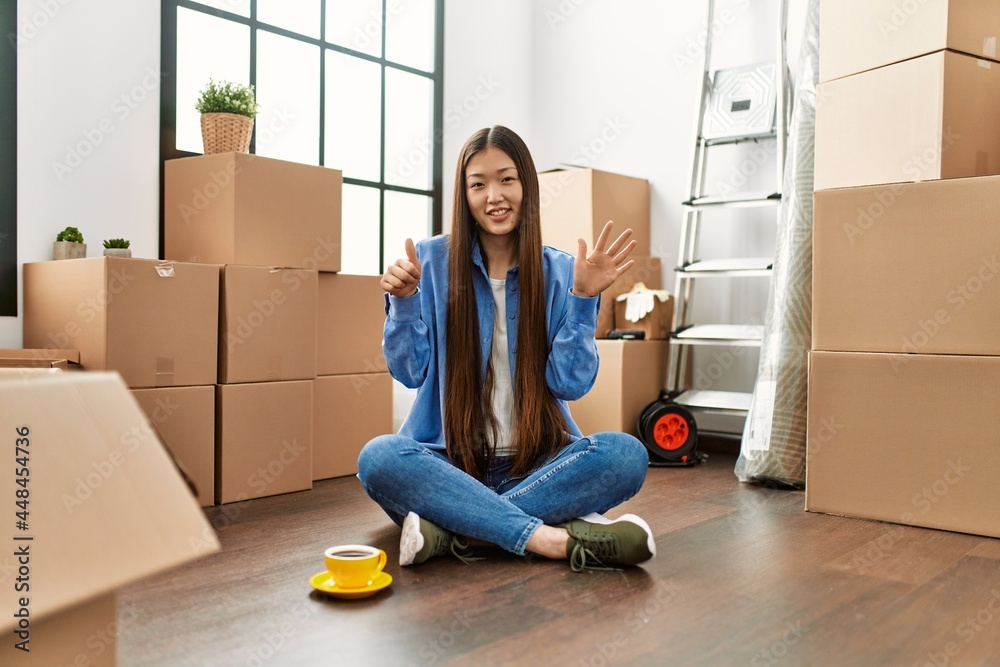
(165, 269)
(164, 371)
(990, 47)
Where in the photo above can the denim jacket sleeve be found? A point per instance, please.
(572, 365)
(406, 340)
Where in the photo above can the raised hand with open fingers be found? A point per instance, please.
(403, 275)
(594, 273)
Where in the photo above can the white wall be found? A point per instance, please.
(88, 127)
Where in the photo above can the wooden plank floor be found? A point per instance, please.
(743, 576)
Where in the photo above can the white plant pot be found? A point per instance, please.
(117, 252)
(68, 250)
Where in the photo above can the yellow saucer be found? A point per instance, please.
(323, 582)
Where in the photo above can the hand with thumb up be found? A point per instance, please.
(402, 276)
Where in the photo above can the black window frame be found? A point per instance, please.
(8, 162)
(168, 100)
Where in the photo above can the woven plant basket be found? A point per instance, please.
(226, 132)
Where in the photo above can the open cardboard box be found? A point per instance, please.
(105, 508)
(64, 360)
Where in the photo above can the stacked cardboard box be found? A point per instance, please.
(576, 203)
(155, 323)
(906, 296)
(272, 225)
(353, 390)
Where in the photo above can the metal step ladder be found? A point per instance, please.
(738, 105)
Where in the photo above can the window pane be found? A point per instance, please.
(241, 7)
(409, 33)
(408, 101)
(288, 93)
(359, 232)
(353, 107)
(208, 48)
(301, 16)
(406, 216)
(356, 24)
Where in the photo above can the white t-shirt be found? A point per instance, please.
(503, 390)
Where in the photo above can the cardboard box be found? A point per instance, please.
(263, 439)
(350, 322)
(577, 202)
(85, 634)
(105, 508)
(237, 208)
(910, 439)
(630, 377)
(268, 324)
(859, 35)
(64, 360)
(656, 324)
(154, 322)
(184, 417)
(348, 411)
(647, 270)
(908, 268)
(927, 118)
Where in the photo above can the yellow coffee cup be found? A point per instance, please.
(354, 565)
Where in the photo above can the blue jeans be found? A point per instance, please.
(592, 474)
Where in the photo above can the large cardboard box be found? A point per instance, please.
(859, 35)
(646, 270)
(927, 118)
(154, 322)
(104, 507)
(350, 321)
(631, 376)
(263, 439)
(577, 202)
(236, 208)
(348, 411)
(268, 324)
(908, 268)
(910, 439)
(184, 417)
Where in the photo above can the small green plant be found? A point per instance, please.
(116, 243)
(227, 97)
(70, 234)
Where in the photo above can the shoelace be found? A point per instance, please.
(595, 549)
(462, 552)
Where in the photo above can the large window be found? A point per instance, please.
(350, 84)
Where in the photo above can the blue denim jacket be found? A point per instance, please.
(414, 338)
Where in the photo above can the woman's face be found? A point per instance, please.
(493, 189)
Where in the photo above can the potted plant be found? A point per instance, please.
(69, 244)
(117, 248)
(227, 113)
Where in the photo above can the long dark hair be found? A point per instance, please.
(539, 429)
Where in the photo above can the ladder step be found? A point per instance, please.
(734, 402)
(720, 334)
(720, 141)
(745, 266)
(738, 199)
